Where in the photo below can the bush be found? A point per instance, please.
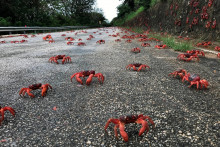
(4, 22)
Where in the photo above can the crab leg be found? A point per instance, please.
(144, 126)
(24, 90)
(101, 78)
(115, 129)
(150, 120)
(111, 120)
(186, 77)
(4, 109)
(129, 66)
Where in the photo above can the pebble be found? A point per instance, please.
(88, 142)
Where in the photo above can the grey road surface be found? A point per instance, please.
(183, 116)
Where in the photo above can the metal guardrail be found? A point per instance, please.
(24, 29)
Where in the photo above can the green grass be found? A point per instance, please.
(138, 30)
(169, 41)
(172, 43)
(134, 14)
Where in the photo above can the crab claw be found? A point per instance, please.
(24, 90)
(11, 110)
(89, 80)
(144, 67)
(74, 75)
(144, 126)
(78, 78)
(124, 135)
(44, 89)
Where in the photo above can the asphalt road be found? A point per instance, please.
(183, 116)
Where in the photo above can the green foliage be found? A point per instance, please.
(134, 14)
(130, 9)
(154, 2)
(137, 30)
(48, 13)
(4, 22)
(172, 43)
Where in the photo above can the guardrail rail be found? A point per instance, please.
(25, 29)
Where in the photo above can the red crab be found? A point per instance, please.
(33, 35)
(120, 123)
(81, 44)
(125, 36)
(69, 43)
(22, 41)
(117, 40)
(34, 87)
(161, 46)
(69, 38)
(217, 48)
(101, 41)
(194, 79)
(63, 35)
(15, 41)
(195, 21)
(25, 36)
(64, 59)
(89, 74)
(91, 36)
(47, 37)
(218, 55)
(208, 24)
(181, 73)
(128, 41)
(204, 44)
(187, 57)
(214, 23)
(2, 42)
(142, 39)
(141, 66)
(136, 50)
(145, 44)
(186, 38)
(52, 41)
(210, 3)
(2, 110)
(197, 52)
(155, 39)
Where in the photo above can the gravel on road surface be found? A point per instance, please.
(75, 115)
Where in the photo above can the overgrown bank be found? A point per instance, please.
(188, 18)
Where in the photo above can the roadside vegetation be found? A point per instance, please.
(49, 13)
(129, 9)
(170, 41)
(173, 43)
